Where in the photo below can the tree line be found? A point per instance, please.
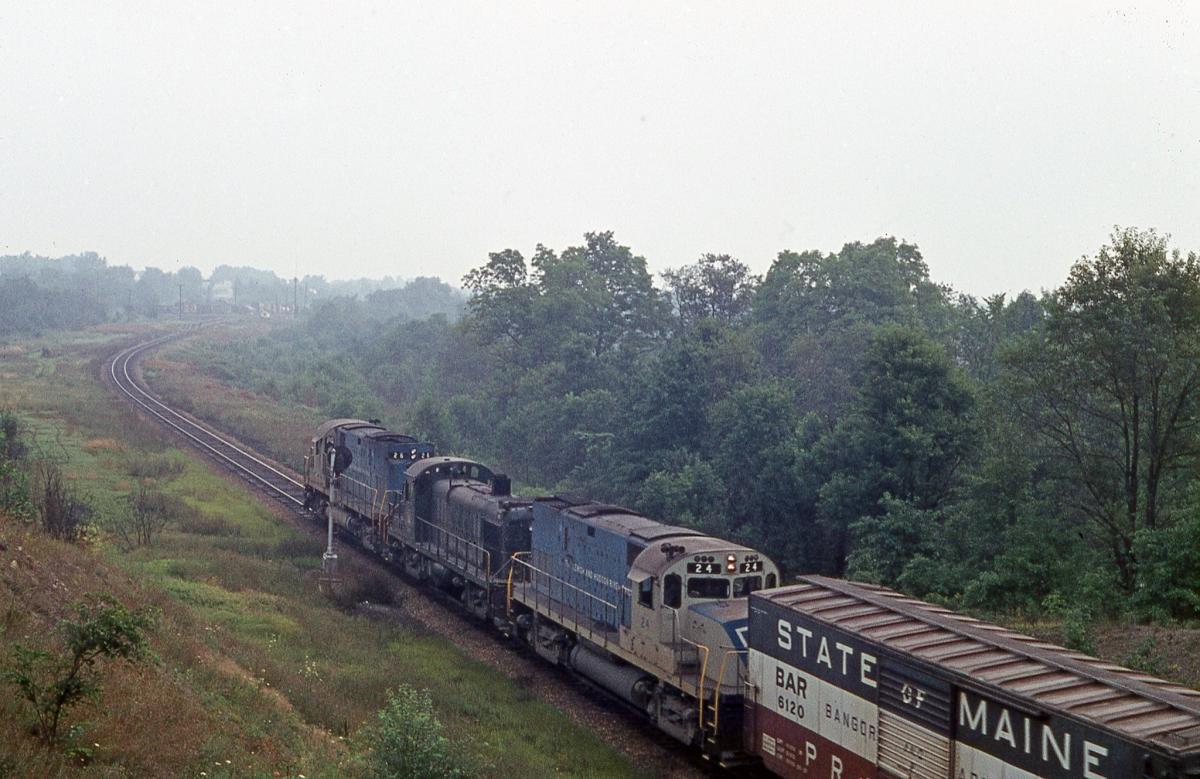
(41, 293)
(844, 411)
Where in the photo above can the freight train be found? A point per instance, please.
(819, 678)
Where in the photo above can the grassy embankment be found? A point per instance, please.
(189, 372)
(256, 674)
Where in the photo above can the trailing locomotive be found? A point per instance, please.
(823, 678)
(444, 519)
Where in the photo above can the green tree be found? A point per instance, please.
(907, 434)
(716, 286)
(502, 299)
(692, 371)
(573, 308)
(686, 491)
(51, 682)
(1109, 386)
(816, 314)
(621, 306)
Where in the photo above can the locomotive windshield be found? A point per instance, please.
(744, 585)
(707, 587)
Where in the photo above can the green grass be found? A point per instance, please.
(288, 658)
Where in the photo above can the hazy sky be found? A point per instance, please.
(366, 139)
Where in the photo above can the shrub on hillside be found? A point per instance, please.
(14, 486)
(52, 682)
(143, 517)
(406, 741)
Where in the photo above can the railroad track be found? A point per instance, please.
(246, 464)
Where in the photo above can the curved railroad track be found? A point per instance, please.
(246, 464)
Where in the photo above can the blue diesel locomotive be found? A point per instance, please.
(653, 613)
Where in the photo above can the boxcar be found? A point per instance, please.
(851, 681)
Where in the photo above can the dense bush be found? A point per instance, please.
(406, 742)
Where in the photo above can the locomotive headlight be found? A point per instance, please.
(731, 563)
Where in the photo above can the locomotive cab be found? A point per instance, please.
(689, 604)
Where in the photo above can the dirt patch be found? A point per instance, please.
(103, 445)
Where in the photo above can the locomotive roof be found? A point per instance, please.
(420, 467)
(387, 435)
(1128, 702)
(616, 518)
(655, 559)
(480, 493)
(349, 424)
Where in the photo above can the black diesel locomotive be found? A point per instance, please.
(817, 679)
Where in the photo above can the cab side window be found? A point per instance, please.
(673, 590)
(646, 593)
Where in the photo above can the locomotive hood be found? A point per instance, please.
(720, 625)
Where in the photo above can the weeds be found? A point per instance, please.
(366, 586)
(298, 548)
(154, 467)
(146, 514)
(1078, 622)
(1145, 658)
(63, 513)
(210, 525)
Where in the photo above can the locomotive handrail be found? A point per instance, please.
(381, 519)
(703, 673)
(571, 620)
(720, 681)
(469, 563)
(366, 487)
(511, 569)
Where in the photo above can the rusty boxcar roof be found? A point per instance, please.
(1127, 702)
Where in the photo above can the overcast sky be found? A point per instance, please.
(410, 139)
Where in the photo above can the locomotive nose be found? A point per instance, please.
(721, 627)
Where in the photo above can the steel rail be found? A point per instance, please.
(197, 434)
